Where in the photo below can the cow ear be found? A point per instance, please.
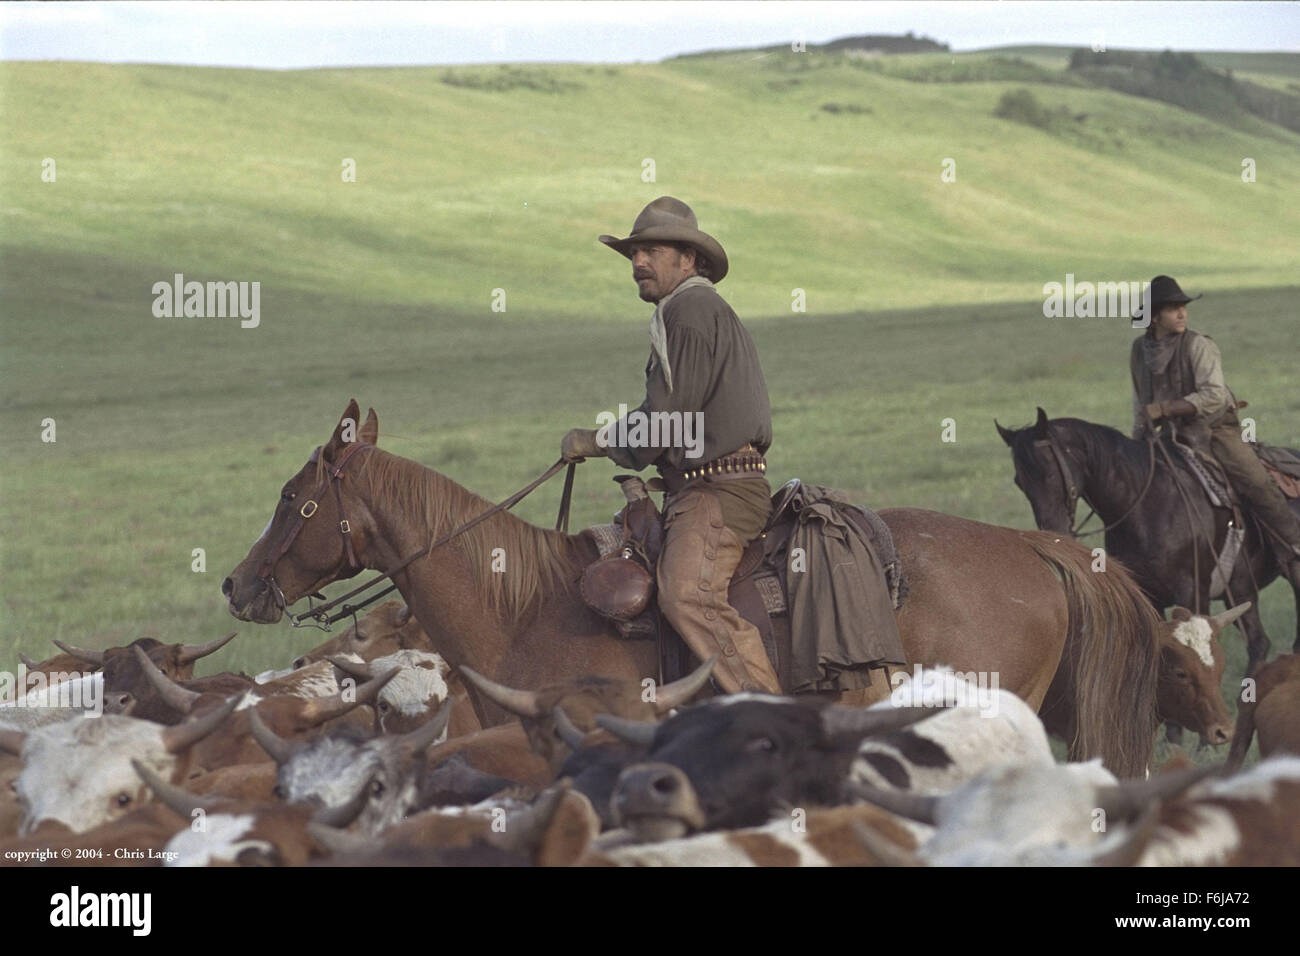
(1040, 426)
(1180, 613)
(370, 430)
(345, 431)
(1007, 434)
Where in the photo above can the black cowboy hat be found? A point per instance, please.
(1164, 290)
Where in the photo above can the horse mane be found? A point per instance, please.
(1096, 441)
(540, 561)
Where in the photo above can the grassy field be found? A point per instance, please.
(924, 297)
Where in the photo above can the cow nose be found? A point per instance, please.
(653, 788)
(1219, 735)
(227, 588)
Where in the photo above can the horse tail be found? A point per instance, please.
(1113, 656)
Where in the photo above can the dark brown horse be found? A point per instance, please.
(502, 597)
(1153, 531)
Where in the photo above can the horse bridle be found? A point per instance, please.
(334, 475)
(1072, 494)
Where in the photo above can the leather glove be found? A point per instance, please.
(580, 443)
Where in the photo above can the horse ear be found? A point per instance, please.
(370, 430)
(1007, 434)
(1180, 613)
(1040, 426)
(347, 424)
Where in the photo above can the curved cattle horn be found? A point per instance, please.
(637, 732)
(1129, 850)
(567, 730)
(339, 841)
(11, 742)
(178, 799)
(422, 737)
(30, 664)
(684, 688)
(1128, 799)
(192, 731)
(521, 703)
(882, 850)
(279, 749)
(358, 669)
(841, 719)
(320, 709)
(524, 830)
(1224, 618)
(172, 693)
(192, 652)
(90, 657)
(342, 816)
(914, 806)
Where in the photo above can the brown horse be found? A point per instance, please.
(502, 597)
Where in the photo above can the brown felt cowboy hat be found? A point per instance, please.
(1165, 291)
(671, 220)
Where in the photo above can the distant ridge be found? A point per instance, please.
(867, 42)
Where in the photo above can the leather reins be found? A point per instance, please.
(1072, 493)
(318, 616)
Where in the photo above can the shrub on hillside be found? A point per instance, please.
(1021, 106)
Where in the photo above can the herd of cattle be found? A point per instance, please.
(367, 751)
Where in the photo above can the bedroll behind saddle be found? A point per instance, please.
(814, 540)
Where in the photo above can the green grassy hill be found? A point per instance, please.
(817, 172)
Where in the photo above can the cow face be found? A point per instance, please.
(1191, 671)
(389, 628)
(79, 772)
(333, 771)
(731, 763)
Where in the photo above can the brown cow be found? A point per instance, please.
(1275, 712)
(387, 629)
(125, 683)
(1191, 673)
(555, 830)
(815, 837)
(289, 717)
(245, 833)
(581, 700)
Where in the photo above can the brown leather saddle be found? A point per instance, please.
(620, 584)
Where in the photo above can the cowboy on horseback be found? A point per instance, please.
(1178, 382)
(703, 365)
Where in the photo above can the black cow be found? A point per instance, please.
(732, 762)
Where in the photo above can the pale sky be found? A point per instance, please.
(307, 34)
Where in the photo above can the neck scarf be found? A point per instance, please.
(659, 334)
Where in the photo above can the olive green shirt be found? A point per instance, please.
(715, 370)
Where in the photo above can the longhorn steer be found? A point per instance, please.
(733, 761)
(79, 772)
